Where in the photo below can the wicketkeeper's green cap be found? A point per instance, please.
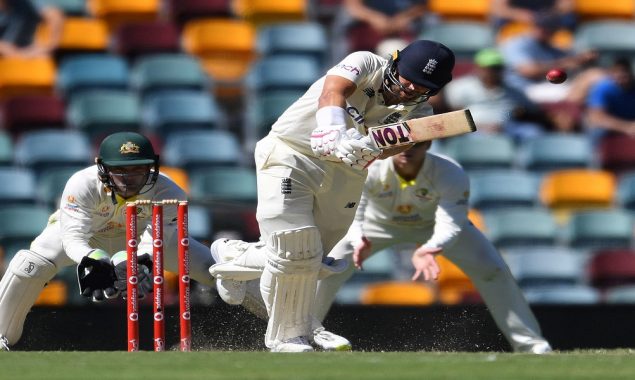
(126, 149)
(489, 58)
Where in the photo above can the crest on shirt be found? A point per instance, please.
(129, 147)
(404, 209)
(430, 66)
(70, 199)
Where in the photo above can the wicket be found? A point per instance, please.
(158, 274)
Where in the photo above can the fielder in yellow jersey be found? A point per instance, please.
(420, 198)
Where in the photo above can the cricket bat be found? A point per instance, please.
(422, 129)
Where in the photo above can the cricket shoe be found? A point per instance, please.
(224, 250)
(541, 348)
(4, 344)
(328, 341)
(297, 344)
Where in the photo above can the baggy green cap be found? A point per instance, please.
(126, 149)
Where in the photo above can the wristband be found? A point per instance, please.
(331, 116)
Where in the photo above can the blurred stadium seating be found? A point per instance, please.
(205, 79)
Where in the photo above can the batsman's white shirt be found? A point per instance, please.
(295, 188)
(87, 219)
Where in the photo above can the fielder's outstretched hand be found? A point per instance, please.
(425, 264)
(362, 252)
(96, 276)
(144, 277)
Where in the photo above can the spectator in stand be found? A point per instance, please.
(529, 56)
(495, 106)
(525, 11)
(19, 20)
(376, 20)
(610, 102)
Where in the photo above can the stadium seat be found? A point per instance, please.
(99, 113)
(226, 60)
(492, 189)
(555, 151)
(19, 225)
(79, 35)
(176, 111)
(200, 224)
(50, 185)
(17, 186)
(283, 72)
(49, 148)
(562, 38)
(615, 9)
(454, 286)
(624, 294)
(617, 153)
(626, 191)
(136, 39)
(24, 113)
(179, 176)
(261, 12)
(405, 293)
(477, 219)
(223, 184)
(26, 76)
(465, 38)
(6, 149)
(302, 38)
(600, 229)
(611, 268)
(182, 11)
(69, 7)
(545, 266)
(578, 294)
(263, 110)
(478, 151)
(467, 9)
(575, 189)
(610, 38)
(118, 12)
(521, 227)
(160, 72)
(55, 293)
(203, 148)
(92, 72)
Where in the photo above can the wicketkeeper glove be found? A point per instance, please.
(96, 276)
(144, 277)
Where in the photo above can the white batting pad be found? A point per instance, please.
(22, 283)
(289, 281)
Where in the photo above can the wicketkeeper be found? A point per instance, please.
(89, 230)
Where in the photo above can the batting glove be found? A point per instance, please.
(144, 277)
(96, 276)
(324, 141)
(357, 150)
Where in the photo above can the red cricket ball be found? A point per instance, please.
(556, 76)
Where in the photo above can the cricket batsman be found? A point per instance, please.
(89, 230)
(311, 170)
(421, 198)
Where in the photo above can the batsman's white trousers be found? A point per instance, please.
(473, 253)
(295, 190)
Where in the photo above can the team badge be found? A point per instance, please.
(129, 147)
(404, 209)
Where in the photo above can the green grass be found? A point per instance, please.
(589, 364)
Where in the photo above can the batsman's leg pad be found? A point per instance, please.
(22, 283)
(289, 281)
